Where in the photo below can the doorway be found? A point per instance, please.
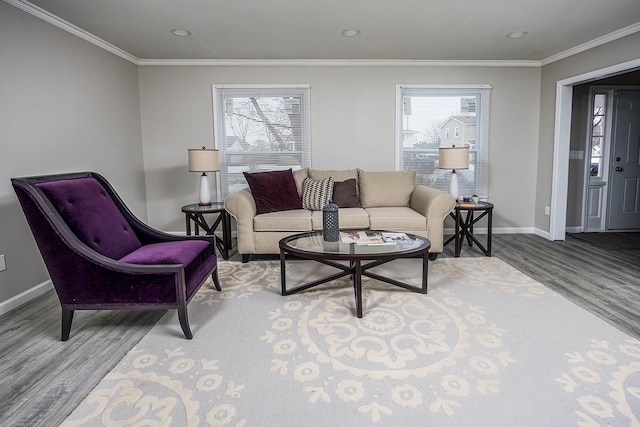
(564, 91)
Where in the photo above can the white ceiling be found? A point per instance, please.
(442, 30)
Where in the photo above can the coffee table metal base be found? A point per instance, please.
(356, 269)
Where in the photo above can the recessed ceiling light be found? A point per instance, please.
(516, 34)
(350, 33)
(180, 33)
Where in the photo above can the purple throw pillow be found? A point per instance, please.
(274, 191)
(345, 194)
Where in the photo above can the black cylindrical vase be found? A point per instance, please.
(330, 225)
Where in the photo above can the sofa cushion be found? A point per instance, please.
(337, 174)
(299, 175)
(347, 218)
(316, 193)
(388, 188)
(396, 219)
(274, 191)
(291, 220)
(345, 194)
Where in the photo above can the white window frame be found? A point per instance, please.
(480, 151)
(294, 90)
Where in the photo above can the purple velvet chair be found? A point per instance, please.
(100, 256)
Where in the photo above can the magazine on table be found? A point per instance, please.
(364, 237)
(395, 237)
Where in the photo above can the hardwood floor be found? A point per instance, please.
(44, 379)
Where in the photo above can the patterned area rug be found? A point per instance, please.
(487, 346)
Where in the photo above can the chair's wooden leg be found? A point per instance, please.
(216, 280)
(184, 321)
(67, 319)
(246, 258)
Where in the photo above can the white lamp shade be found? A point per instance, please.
(453, 158)
(203, 160)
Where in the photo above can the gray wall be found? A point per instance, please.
(352, 125)
(65, 105)
(607, 55)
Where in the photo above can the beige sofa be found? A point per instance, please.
(390, 201)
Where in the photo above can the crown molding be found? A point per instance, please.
(79, 32)
(623, 32)
(54, 20)
(334, 63)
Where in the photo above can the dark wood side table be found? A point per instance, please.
(464, 227)
(195, 213)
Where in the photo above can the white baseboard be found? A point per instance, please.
(574, 230)
(24, 297)
(501, 230)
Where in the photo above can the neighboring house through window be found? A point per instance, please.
(431, 117)
(260, 128)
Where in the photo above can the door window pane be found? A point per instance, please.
(598, 122)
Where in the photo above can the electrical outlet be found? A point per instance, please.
(547, 210)
(3, 265)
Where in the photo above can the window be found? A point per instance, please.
(598, 133)
(430, 117)
(260, 128)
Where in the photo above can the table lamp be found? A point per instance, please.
(453, 158)
(203, 160)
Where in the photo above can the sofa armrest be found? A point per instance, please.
(242, 207)
(435, 205)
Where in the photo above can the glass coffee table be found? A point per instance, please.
(312, 246)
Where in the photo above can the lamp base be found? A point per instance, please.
(453, 185)
(205, 190)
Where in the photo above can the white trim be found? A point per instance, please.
(499, 230)
(541, 233)
(25, 297)
(561, 142)
(427, 86)
(335, 63)
(618, 34)
(54, 20)
(259, 86)
(559, 187)
(397, 152)
(512, 230)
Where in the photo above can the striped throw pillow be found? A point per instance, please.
(316, 193)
